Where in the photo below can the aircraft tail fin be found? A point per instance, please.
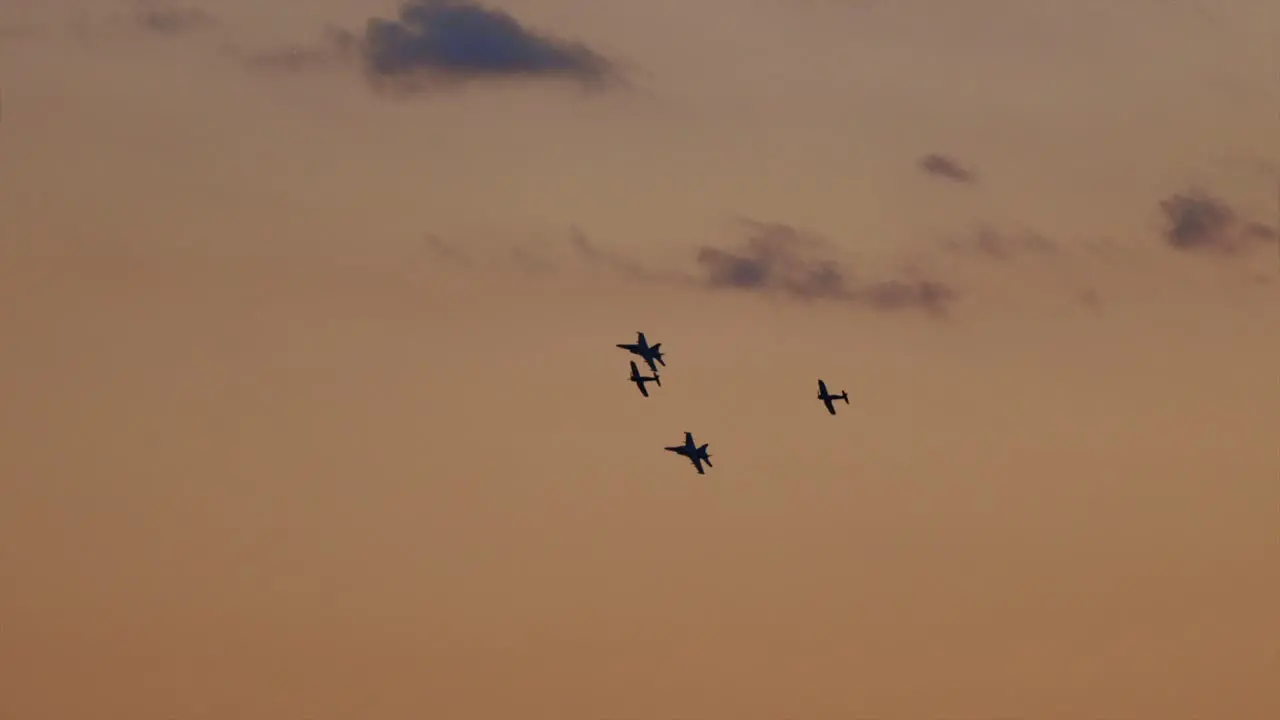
(657, 379)
(844, 395)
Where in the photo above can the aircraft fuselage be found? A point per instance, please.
(651, 354)
(693, 452)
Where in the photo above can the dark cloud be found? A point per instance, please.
(451, 40)
(1200, 222)
(946, 168)
(781, 260)
(1197, 221)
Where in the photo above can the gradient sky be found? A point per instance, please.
(309, 405)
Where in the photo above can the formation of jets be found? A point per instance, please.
(695, 453)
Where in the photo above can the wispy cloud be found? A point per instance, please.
(338, 48)
(988, 242)
(441, 249)
(771, 260)
(774, 257)
(611, 260)
(167, 20)
(782, 261)
(934, 297)
(946, 168)
(1198, 222)
(94, 25)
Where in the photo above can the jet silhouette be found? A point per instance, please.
(646, 352)
(826, 398)
(696, 454)
(640, 380)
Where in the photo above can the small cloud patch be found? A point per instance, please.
(457, 39)
(1199, 222)
(946, 168)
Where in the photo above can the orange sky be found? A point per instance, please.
(266, 452)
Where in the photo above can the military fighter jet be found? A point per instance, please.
(640, 380)
(826, 398)
(646, 352)
(696, 454)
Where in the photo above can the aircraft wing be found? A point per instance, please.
(643, 390)
(697, 463)
(688, 440)
(640, 340)
(822, 387)
(634, 370)
(831, 408)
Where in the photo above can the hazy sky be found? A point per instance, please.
(309, 405)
